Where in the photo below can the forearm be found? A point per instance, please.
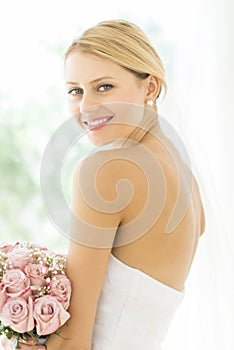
(86, 275)
(68, 347)
(55, 342)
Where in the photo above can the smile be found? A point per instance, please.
(92, 124)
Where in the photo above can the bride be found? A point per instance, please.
(137, 213)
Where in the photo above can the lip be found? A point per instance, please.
(97, 126)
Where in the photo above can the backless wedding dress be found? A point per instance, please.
(134, 310)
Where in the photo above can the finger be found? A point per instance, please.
(5, 344)
(32, 347)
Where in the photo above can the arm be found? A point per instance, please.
(86, 265)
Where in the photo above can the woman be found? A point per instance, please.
(137, 211)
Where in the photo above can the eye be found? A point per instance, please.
(105, 87)
(76, 91)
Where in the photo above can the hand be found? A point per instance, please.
(26, 345)
(6, 344)
(32, 347)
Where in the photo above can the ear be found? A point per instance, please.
(152, 88)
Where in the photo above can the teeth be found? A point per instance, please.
(96, 122)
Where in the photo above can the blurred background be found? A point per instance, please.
(193, 38)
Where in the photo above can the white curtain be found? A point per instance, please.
(202, 89)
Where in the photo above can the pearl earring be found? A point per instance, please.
(150, 103)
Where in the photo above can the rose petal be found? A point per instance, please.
(61, 288)
(49, 315)
(3, 296)
(18, 315)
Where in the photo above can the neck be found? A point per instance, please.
(141, 133)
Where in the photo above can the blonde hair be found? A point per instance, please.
(125, 44)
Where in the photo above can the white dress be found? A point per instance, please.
(134, 310)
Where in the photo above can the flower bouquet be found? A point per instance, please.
(34, 292)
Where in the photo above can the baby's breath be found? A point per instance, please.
(3, 258)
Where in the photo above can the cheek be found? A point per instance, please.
(74, 111)
(131, 95)
(73, 107)
(127, 113)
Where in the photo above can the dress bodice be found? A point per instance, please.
(134, 310)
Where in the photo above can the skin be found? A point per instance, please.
(166, 258)
(93, 82)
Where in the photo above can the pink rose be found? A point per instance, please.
(6, 247)
(3, 296)
(18, 315)
(19, 257)
(36, 273)
(16, 284)
(49, 315)
(61, 288)
(35, 245)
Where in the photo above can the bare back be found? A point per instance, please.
(164, 256)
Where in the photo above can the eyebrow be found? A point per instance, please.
(91, 82)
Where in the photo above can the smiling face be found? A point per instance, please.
(104, 97)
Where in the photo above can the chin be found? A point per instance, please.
(109, 135)
(99, 141)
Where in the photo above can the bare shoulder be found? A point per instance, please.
(201, 206)
(111, 173)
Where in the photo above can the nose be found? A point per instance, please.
(88, 102)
